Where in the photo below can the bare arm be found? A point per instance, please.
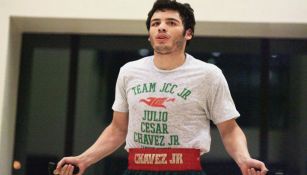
(109, 140)
(236, 145)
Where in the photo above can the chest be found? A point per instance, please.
(182, 92)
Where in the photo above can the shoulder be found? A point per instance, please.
(210, 71)
(137, 63)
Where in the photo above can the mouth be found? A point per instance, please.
(162, 37)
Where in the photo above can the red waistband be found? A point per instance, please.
(164, 159)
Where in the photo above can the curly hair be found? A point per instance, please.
(185, 11)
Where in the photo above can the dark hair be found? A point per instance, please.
(185, 11)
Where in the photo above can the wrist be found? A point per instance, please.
(85, 160)
(242, 159)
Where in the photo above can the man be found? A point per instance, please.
(163, 105)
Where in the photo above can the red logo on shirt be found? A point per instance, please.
(157, 102)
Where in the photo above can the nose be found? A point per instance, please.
(162, 27)
(162, 30)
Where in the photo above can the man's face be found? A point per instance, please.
(166, 32)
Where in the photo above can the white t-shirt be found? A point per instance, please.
(172, 108)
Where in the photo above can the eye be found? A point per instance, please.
(172, 23)
(154, 24)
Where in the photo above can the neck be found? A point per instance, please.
(169, 61)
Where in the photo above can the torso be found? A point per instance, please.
(168, 108)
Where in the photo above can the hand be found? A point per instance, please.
(64, 166)
(253, 167)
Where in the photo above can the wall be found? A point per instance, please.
(275, 18)
(296, 135)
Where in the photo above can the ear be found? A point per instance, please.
(188, 34)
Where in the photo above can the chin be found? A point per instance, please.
(162, 49)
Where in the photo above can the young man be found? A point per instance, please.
(163, 105)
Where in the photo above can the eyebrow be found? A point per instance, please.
(167, 19)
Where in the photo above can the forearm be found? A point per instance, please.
(110, 139)
(236, 145)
